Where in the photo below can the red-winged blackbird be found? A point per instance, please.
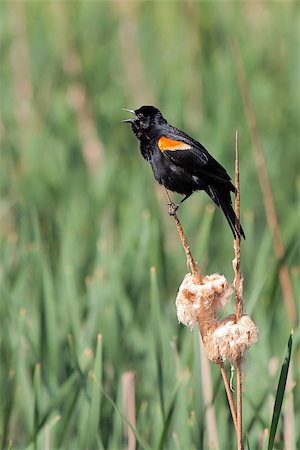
(180, 163)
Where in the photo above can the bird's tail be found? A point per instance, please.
(221, 197)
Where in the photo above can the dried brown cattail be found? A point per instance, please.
(198, 303)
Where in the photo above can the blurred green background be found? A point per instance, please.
(82, 221)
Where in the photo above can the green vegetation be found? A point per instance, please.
(82, 220)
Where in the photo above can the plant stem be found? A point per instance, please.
(266, 189)
(238, 296)
(190, 260)
(237, 241)
(239, 404)
(194, 269)
(229, 396)
(128, 389)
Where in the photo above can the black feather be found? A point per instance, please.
(222, 198)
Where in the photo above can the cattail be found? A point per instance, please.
(197, 303)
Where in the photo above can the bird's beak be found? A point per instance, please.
(128, 120)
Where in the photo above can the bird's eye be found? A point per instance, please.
(140, 116)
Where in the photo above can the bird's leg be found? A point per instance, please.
(173, 207)
(183, 200)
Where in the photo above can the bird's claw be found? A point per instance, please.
(172, 208)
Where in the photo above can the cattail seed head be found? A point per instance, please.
(197, 304)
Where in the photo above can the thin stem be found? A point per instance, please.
(229, 396)
(128, 389)
(238, 296)
(284, 275)
(239, 404)
(194, 270)
(237, 241)
(190, 260)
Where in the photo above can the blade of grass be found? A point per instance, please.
(115, 439)
(257, 416)
(23, 379)
(47, 431)
(37, 395)
(247, 442)
(280, 392)
(94, 416)
(142, 442)
(60, 397)
(7, 405)
(45, 434)
(168, 419)
(156, 331)
(66, 418)
(74, 357)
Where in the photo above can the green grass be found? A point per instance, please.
(78, 245)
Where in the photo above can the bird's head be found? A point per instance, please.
(146, 121)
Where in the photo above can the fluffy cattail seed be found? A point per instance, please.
(197, 303)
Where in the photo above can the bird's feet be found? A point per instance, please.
(172, 208)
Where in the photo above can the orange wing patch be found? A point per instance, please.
(171, 144)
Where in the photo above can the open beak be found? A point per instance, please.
(128, 120)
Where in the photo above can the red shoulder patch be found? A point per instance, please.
(165, 143)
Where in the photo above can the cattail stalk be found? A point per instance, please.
(199, 278)
(197, 303)
(190, 260)
(284, 275)
(238, 296)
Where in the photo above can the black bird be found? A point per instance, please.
(182, 164)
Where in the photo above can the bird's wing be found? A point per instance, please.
(192, 156)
